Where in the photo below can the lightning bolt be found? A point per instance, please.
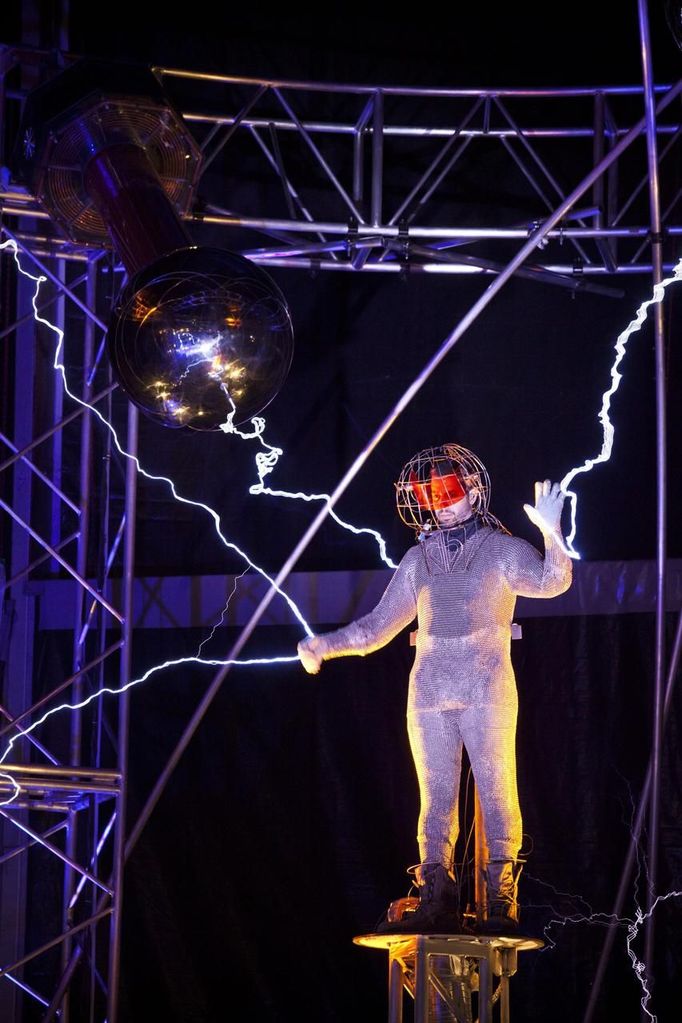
(632, 925)
(116, 691)
(603, 415)
(267, 460)
(258, 488)
(224, 612)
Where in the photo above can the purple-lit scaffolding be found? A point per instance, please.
(72, 808)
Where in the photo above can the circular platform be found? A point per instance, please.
(388, 941)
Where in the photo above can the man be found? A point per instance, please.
(461, 581)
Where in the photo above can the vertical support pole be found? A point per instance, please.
(485, 990)
(395, 990)
(103, 583)
(18, 686)
(504, 999)
(377, 158)
(57, 412)
(123, 715)
(611, 182)
(68, 887)
(358, 154)
(599, 190)
(421, 983)
(508, 960)
(661, 485)
(480, 860)
(76, 718)
(597, 156)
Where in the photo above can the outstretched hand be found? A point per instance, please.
(549, 502)
(310, 651)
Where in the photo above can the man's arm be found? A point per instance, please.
(396, 609)
(529, 574)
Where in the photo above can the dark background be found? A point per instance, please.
(289, 822)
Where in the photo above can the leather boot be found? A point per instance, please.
(502, 896)
(435, 912)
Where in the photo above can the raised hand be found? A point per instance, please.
(549, 502)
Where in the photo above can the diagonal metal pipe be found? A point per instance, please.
(36, 563)
(53, 429)
(55, 279)
(320, 158)
(62, 561)
(90, 922)
(431, 169)
(55, 851)
(41, 475)
(61, 687)
(248, 106)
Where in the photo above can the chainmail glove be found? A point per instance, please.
(549, 502)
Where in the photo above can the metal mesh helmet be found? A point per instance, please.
(438, 477)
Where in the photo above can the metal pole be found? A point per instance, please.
(90, 922)
(64, 857)
(59, 689)
(480, 860)
(357, 465)
(661, 487)
(377, 158)
(58, 493)
(320, 158)
(99, 727)
(485, 988)
(18, 682)
(19, 849)
(359, 151)
(600, 186)
(277, 225)
(32, 739)
(440, 156)
(123, 715)
(421, 982)
(36, 563)
(65, 564)
(55, 280)
(53, 429)
(446, 268)
(75, 742)
(210, 157)
(57, 413)
(400, 90)
(395, 989)
(64, 983)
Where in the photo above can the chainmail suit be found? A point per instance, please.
(462, 585)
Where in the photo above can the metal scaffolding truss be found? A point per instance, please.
(62, 794)
(344, 177)
(366, 179)
(382, 179)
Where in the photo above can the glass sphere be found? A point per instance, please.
(199, 336)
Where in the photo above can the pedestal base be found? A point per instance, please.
(453, 978)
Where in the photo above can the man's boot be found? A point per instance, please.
(502, 897)
(436, 911)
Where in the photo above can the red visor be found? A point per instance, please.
(440, 492)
